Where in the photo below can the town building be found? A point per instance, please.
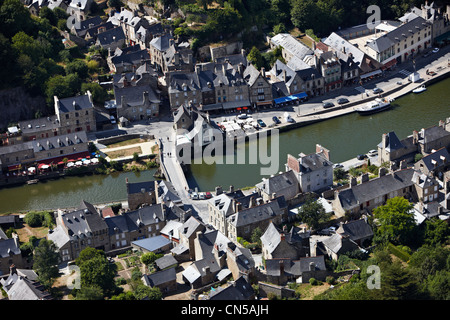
(314, 172)
(76, 113)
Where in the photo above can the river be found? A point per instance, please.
(345, 137)
(70, 191)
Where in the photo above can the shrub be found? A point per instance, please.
(330, 280)
(313, 281)
(399, 253)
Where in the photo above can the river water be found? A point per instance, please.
(345, 137)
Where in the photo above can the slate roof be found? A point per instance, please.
(313, 162)
(291, 44)
(58, 236)
(339, 245)
(159, 278)
(130, 57)
(354, 196)
(258, 213)
(393, 142)
(40, 124)
(356, 229)
(167, 193)
(240, 289)
(75, 103)
(166, 261)
(190, 226)
(136, 187)
(251, 74)
(278, 182)
(294, 267)
(271, 238)
(395, 36)
(161, 43)
(134, 95)
(82, 26)
(110, 36)
(25, 289)
(79, 4)
(2, 235)
(8, 247)
(436, 159)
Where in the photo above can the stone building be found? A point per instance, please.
(260, 89)
(140, 193)
(76, 113)
(314, 172)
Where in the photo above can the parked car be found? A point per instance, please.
(276, 120)
(361, 156)
(261, 123)
(342, 100)
(113, 120)
(372, 153)
(288, 117)
(337, 165)
(243, 116)
(208, 195)
(435, 50)
(201, 196)
(194, 195)
(377, 90)
(328, 104)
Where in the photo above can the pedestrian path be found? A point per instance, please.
(405, 72)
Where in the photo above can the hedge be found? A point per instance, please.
(404, 256)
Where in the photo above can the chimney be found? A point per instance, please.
(207, 269)
(282, 236)
(241, 68)
(384, 140)
(403, 164)
(281, 266)
(263, 72)
(219, 190)
(237, 206)
(198, 68)
(312, 266)
(12, 269)
(145, 98)
(128, 185)
(190, 59)
(231, 189)
(353, 182)
(365, 177)
(415, 137)
(382, 171)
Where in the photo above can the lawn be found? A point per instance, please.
(124, 152)
(126, 143)
(308, 292)
(24, 232)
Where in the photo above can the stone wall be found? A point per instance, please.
(17, 105)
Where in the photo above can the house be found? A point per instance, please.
(359, 231)
(166, 262)
(51, 150)
(140, 193)
(127, 59)
(137, 102)
(78, 230)
(10, 253)
(432, 138)
(275, 245)
(143, 223)
(372, 193)
(283, 184)
(9, 221)
(434, 164)
(336, 245)
(167, 57)
(23, 285)
(79, 8)
(330, 67)
(426, 187)
(291, 47)
(240, 261)
(392, 148)
(76, 113)
(210, 259)
(260, 89)
(184, 88)
(188, 233)
(280, 72)
(240, 289)
(314, 171)
(165, 280)
(242, 223)
(111, 39)
(282, 271)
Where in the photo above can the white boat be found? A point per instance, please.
(420, 89)
(377, 105)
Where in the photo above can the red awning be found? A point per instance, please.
(391, 63)
(14, 167)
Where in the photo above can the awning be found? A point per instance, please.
(214, 106)
(264, 103)
(14, 167)
(389, 64)
(370, 74)
(236, 104)
(300, 95)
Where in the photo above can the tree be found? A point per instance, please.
(256, 235)
(142, 291)
(47, 13)
(396, 220)
(33, 219)
(256, 58)
(313, 213)
(79, 67)
(14, 17)
(148, 258)
(90, 293)
(96, 271)
(99, 94)
(46, 260)
(436, 231)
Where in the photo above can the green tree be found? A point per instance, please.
(148, 258)
(90, 293)
(396, 220)
(79, 67)
(256, 58)
(46, 260)
(96, 271)
(99, 94)
(15, 17)
(47, 13)
(436, 231)
(33, 219)
(256, 235)
(438, 285)
(143, 291)
(313, 213)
